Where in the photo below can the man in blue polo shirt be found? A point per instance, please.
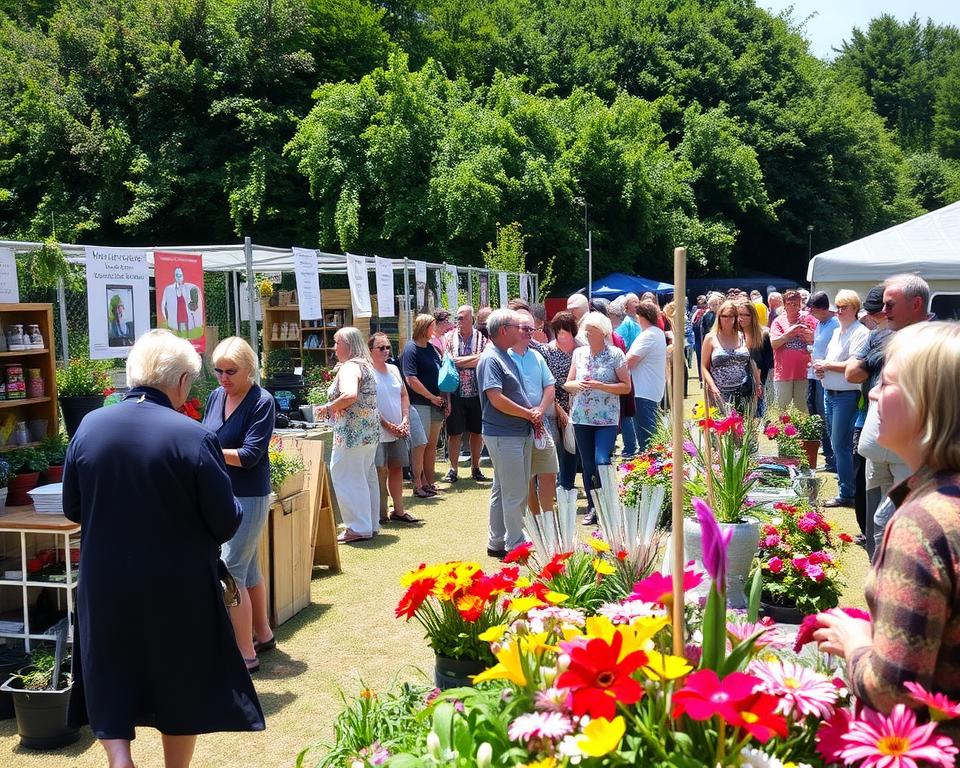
(827, 323)
(507, 419)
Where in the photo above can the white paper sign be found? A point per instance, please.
(359, 285)
(524, 287)
(440, 291)
(308, 283)
(118, 299)
(385, 302)
(453, 289)
(484, 289)
(9, 290)
(244, 299)
(420, 277)
(502, 279)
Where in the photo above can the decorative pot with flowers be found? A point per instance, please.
(286, 470)
(54, 448)
(82, 385)
(26, 464)
(799, 559)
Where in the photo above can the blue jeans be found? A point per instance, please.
(644, 421)
(595, 445)
(568, 466)
(816, 403)
(841, 416)
(629, 437)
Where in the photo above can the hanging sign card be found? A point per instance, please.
(308, 283)
(9, 290)
(502, 278)
(359, 285)
(384, 269)
(420, 277)
(118, 299)
(453, 289)
(181, 305)
(484, 290)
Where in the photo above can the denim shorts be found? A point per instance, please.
(240, 553)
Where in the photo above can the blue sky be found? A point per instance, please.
(836, 18)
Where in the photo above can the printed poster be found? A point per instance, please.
(453, 288)
(420, 276)
(502, 279)
(118, 299)
(9, 290)
(524, 287)
(384, 269)
(484, 290)
(308, 283)
(244, 300)
(181, 305)
(359, 285)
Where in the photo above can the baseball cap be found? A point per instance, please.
(874, 301)
(820, 300)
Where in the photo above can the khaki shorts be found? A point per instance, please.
(543, 461)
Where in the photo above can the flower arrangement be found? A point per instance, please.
(732, 470)
(799, 559)
(809, 425)
(282, 464)
(318, 376)
(84, 378)
(193, 408)
(652, 467)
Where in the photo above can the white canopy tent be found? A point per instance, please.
(928, 245)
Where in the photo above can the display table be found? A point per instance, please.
(26, 524)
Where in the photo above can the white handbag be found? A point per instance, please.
(569, 438)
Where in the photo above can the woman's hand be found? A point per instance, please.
(439, 400)
(574, 386)
(842, 635)
(562, 417)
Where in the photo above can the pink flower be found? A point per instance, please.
(658, 587)
(769, 530)
(830, 735)
(772, 432)
(800, 563)
(540, 725)
(877, 741)
(802, 692)
(553, 700)
(790, 431)
(818, 557)
(941, 708)
(776, 565)
(811, 624)
(809, 522)
(738, 631)
(815, 572)
(771, 541)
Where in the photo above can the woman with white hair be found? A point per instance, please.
(242, 414)
(356, 436)
(598, 376)
(151, 491)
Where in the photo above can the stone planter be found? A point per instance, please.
(743, 548)
(455, 673)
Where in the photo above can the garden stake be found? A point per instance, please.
(679, 367)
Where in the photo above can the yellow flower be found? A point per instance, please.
(597, 545)
(522, 583)
(547, 762)
(602, 736)
(494, 634)
(536, 643)
(509, 666)
(662, 667)
(555, 597)
(524, 604)
(602, 567)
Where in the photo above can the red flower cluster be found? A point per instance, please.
(555, 567)
(733, 422)
(734, 700)
(191, 408)
(598, 678)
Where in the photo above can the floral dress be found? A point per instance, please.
(592, 407)
(360, 423)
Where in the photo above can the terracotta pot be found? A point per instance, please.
(812, 447)
(18, 487)
(740, 554)
(53, 474)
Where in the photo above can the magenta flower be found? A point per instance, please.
(772, 431)
(658, 587)
(819, 557)
(801, 691)
(940, 707)
(800, 563)
(878, 741)
(689, 448)
(776, 565)
(771, 541)
(830, 735)
(811, 624)
(808, 523)
(789, 430)
(815, 572)
(714, 543)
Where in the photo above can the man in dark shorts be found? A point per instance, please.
(465, 343)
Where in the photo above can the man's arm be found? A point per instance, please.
(505, 405)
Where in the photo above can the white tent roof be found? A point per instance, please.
(928, 245)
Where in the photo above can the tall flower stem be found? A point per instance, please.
(721, 741)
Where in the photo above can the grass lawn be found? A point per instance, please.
(348, 638)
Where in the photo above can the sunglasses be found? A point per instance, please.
(383, 347)
(228, 372)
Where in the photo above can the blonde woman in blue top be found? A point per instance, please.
(242, 416)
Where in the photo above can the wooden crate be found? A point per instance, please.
(291, 556)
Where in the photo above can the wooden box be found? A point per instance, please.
(291, 554)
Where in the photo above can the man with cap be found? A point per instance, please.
(790, 335)
(827, 323)
(577, 305)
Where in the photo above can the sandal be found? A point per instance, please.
(253, 665)
(423, 493)
(266, 645)
(348, 537)
(406, 517)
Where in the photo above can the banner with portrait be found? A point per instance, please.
(118, 299)
(181, 305)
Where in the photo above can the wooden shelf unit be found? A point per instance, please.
(35, 408)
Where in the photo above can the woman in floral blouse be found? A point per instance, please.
(598, 376)
(912, 590)
(356, 435)
(559, 356)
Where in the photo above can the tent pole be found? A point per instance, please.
(62, 301)
(406, 302)
(469, 286)
(254, 341)
(236, 302)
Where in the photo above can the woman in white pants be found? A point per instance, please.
(356, 435)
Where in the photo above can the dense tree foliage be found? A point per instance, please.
(413, 127)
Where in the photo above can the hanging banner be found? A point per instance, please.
(9, 290)
(420, 277)
(181, 305)
(385, 302)
(244, 299)
(485, 289)
(502, 278)
(524, 287)
(359, 285)
(118, 299)
(453, 289)
(308, 283)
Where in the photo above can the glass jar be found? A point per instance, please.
(16, 387)
(15, 337)
(35, 383)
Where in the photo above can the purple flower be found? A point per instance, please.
(689, 448)
(714, 543)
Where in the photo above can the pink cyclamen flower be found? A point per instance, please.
(940, 707)
(815, 572)
(801, 690)
(878, 741)
(540, 725)
(776, 565)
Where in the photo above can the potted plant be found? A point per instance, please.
(40, 702)
(26, 464)
(785, 434)
(810, 431)
(799, 561)
(265, 287)
(81, 386)
(286, 470)
(54, 448)
(315, 396)
(279, 361)
(456, 603)
(5, 475)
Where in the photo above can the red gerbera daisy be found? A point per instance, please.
(556, 566)
(597, 680)
(412, 599)
(520, 553)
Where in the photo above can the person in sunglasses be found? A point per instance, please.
(242, 416)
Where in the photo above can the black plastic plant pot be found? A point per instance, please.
(456, 673)
(75, 408)
(10, 662)
(41, 716)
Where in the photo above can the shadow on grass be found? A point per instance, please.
(79, 747)
(272, 703)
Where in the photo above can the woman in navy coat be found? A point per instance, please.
(153, 644)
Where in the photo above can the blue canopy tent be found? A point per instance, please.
(617, 284)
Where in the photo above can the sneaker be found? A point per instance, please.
(477, 475)
(838, 502)
(590, 518)
(451, 476)
(497, 553)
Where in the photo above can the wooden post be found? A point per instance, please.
(679, 368)
(708, 448)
